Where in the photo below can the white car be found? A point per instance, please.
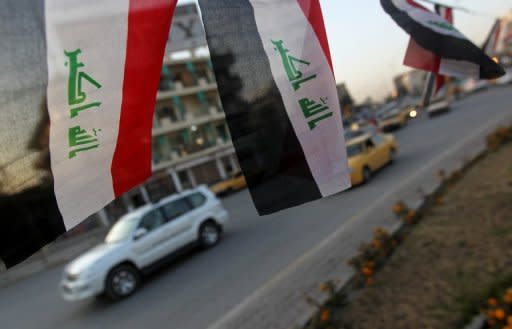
(141, 239)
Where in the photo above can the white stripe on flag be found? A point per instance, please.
(324, 147)
(428, 19)
(84, 181)
(461, 69)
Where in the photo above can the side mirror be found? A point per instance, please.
(139, 233)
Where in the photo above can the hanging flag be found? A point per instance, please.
(422, 59)
(438, 38)
(274, 73)
(499, 42)
(78, 87)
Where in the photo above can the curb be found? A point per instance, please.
(350, 287)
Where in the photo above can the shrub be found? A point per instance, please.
(498, 311)
(372, 255)
(498, 137)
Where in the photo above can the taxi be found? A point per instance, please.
(234, 183)
(369, 153)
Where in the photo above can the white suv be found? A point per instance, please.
(143, 238)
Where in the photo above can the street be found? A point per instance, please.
(197, 291)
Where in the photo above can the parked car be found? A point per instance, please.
(369, 153)
(141, 240)
(234, 183)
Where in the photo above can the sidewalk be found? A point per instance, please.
(52, 255)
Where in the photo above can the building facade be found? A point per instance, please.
(191, 142)
(410, 83)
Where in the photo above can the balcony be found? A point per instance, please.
(166, 125)
(178, 89)
(192, 153)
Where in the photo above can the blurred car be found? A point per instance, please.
(473, 85)
(369, 153)
(438, 106)
(393, 119)
(506, 79)
(360, 131)
(142, 240)
(234, 183)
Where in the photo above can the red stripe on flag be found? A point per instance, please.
(496, 38)
(313, 13)
(420, 58)
(440, 82)
(417, 5)
(148, 29)
(448, 14)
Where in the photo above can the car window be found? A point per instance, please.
(378, 139)
(196, 200)
(176, 208)
(152, 220)
(369, 144)
(354, 149)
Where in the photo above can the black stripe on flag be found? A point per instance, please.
(28, 208)
(267, 147)
(442, 45)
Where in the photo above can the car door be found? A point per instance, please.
(178, 223)
(201, 210)
(381, 152)
(147, 248)
(372, 157)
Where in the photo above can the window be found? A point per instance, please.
(377, 139)
(176, 208)
(354, 150)
(196, 200)
(152, 220)
(369, 144)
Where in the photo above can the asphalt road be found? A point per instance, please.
(200, 289)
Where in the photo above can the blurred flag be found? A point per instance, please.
(438, 46)
(499, 41)
(422, 59)
(274, 72)
(494, 41)
(79, 83)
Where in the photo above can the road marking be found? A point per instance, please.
(221, 322)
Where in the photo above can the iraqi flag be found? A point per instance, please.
(494, 42)
(274, 72)
(458, 57)
(422, 59)
(77, 90)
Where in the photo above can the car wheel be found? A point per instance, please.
(122, 282)
(367, 174)
(209, 234)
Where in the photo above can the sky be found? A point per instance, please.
(367, 47)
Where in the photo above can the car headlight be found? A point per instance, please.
(84, 275)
